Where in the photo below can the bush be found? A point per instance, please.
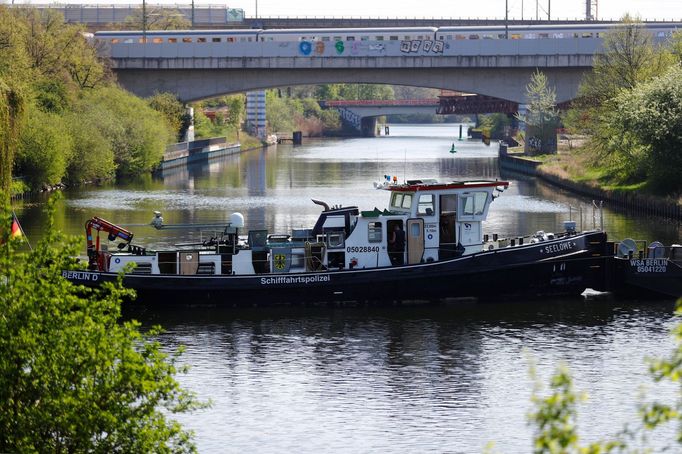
(92, 158)
(44, 149)
(136, 133)
(73, 376)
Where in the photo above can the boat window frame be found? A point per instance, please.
(335, 239)
(423, 206)
(473, 204)
(375, 231)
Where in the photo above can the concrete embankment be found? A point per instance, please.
(199, 150)
(628, 201)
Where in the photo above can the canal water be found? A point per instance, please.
(401, 379)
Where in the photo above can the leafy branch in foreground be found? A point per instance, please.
(73, 376)
(554, 416)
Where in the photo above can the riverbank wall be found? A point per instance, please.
(184, 153)
(627, 201)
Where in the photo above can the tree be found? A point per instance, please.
(135, 132)
(542, 116)
(44, 149)
(158, 19)
(74, 377)
(12, 107)
(676, 46)
(171, 108)
(235, 111)
(650, 116)
(628, 58)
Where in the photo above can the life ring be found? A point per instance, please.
(305, 47)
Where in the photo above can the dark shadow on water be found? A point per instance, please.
(571, 311)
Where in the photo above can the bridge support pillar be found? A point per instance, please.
(368, 126)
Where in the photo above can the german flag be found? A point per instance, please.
(15, 230)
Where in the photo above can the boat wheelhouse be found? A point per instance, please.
(439, 221)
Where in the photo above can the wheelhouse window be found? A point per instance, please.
(401, 201)
(473, 204)
(425, 207)
(374, 233)
(335, 240)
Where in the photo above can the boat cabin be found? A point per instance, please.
(425, 221)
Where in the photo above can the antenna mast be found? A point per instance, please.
(591, 9)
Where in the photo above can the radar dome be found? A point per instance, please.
(237, 220)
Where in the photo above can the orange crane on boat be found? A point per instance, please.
(95, 256)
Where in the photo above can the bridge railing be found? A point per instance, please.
(379, 102)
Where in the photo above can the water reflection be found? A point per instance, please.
(418, 379)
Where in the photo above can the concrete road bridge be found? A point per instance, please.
(500, 68)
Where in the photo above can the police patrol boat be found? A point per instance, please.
(426, 244)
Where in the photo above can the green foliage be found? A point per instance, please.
(92, 157)
(628, 58)
(48, 67)
(235, 111)
(554, 416)
(13, 55)
(629, 107)
(157, 18)
(52, 96)
(226, 124)
(44, 149)
(172, 109)
(542, 117)
(203, 127)
(282, 112)
(676, 46)
(74, 377)
(651, 115)
(495, 125)
(12, 108)
(135, 132)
